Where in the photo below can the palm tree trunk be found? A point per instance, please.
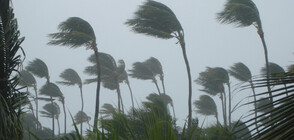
(36, 101)
(162, 82)
(81, 90)
(217, 120)
(63, 105)
(255, 107)
(58, 127)
(53, 126)
(183, 46)
(98, 89)
(285, 86)
(261, 35)
(156, 84)
(131, 92)
(223, 108)
(230, 105)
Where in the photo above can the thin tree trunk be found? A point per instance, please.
(156, 84)
(162, 82)
(63, 105)
(97, 90)
(58, 127)
(174, 111)
(131, 92)
(255, 106)
(183, 46)
(37, 106)
(223, 108)
(285, 86)
(230, 105)
(53, 126)
(217, 120)
(81, 90)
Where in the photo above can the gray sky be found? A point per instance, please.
(208, 43)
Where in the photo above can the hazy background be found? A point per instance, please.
(208, 43)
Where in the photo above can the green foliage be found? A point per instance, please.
(206, 105)
(74, 32)
(81, 117)
(70, 77)
(242, 13)
(155, 19)
(38, 68)
(275, 71)
(50, 110)
(240, 72)
(26, 79)
(50, 89)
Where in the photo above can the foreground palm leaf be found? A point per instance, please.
(280, 126)
(76, 32)
(156, 19)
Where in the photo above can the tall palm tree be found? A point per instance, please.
(213, 80)
(156, 19)
(242, 73)
(28, 80)
(70, 78)
(76, 32)
(51, 90)
(111, 74)
(206, 106)
(156, 67)
(244, 13)
(51, 110)
(143, 71)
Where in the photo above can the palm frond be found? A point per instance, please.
(50, 89)
(205, 105)
(38, 68)
(240, 72)
(70, 77)
(275, 70)
(242, 13)
(26, 79)
(155, 19)
(141, 71)
(154, 65)
(81, 117)
(74, 32)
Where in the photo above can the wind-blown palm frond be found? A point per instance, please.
(240, 12)
(74, 32)
(280, 126)
(141, 71)
(50, 110)
(155, 19)
(240, 72)
(26, 79)
(154, 65)
(38, 68)
(50, 89)
(81, 117)
(107, 110)
(274, 70)
(205, 105)
(70, 77)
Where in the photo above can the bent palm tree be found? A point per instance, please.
(158, 20)
(51, 110)
(27, 79)
(71, 78)
(244, 13)
(241, 72)
(206, 106)
(111, 74)
(76, 32)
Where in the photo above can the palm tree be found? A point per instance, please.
(242, 73)
(70, 78)
(111, 74)
(213, 80)
(28, 80)
(156, 19)
(80, 118)
(76, 32)
(206, 106)
(51, 110)
(244, 13)
(107, 110)
(38, 68)
(143, 71)
(51, 90)
(156, 67)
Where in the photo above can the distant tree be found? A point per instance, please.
(76, 32)
(107, 110)
(39, 69)
(80, 118)
(206, 106)
(244, 13)
(156, 19)
(242, 73)
(28, 80)
(51, 110)
(213, 81)
(70, 78)
(51, 90)
(111, 74)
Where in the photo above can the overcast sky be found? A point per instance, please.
(208, 44)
